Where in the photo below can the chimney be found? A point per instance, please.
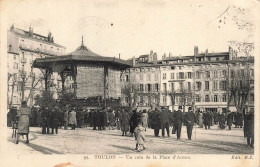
(164, 56)
(12, 27)
(170, 54)
(119, 55)
(133, 61)
(30, 31)
(206, 52)
(230, 53)
(196, 51)
(155, 58)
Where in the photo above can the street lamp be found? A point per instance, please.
(23, 75)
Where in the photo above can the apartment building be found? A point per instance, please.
(201, 80)
(23, 47)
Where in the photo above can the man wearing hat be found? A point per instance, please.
(165, 121)
(178, 119)
(189, 119)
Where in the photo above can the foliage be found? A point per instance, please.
(239, 87)
(68, 98)
(45, 100)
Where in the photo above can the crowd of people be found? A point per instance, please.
(132, 122)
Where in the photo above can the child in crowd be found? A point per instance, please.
(139, 137)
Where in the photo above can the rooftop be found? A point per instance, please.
(81, 54)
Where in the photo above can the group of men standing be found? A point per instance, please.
(164, 119)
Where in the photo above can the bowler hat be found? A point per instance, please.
(189, 108)
(180, 107)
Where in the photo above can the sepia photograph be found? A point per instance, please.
(165, 83)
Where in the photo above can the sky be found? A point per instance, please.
(132, 28)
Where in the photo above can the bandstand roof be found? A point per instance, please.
(80, 55)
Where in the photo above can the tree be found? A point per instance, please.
(239, 87)
(12, 78)
(185, 97)
(130, 91)
(45, 99)
(68, 98)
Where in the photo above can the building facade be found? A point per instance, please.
(23, 47)
(202, 80)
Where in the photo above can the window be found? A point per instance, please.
(206, 85)
(172, 75)
(252, 98)
(164, 75)
(172, 86)
(10, 48)
(242, 72)
(189, 86)
(189, 74)
(215, 74)
(198, 86)
(224, 98)
(223, 85)
(126, 100)
(215, 85)
(156, 86)
(207, 74)
(181, 86)
(251, 72)
(164, 99)
(217, 59)
(224, 73)
(149, 87)
(156, 77)
(215, 98)
(164, 87)
(232, 73)
(141, 87)
(197, 98)
(207, 98)
(126, 77)
(15, 66)
(141, 99)
(141, 77)
(181, 75)
(197, 74)
(148, 77)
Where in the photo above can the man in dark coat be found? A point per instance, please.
(190, 119)
(229, 120)
(93, 116)
(239, 119)
(249, 127)
(156, 121)
(46, 118)
(178, 120)
(134, 119)
(99, 119)
(165, 121)
(54, 120)
(222, 120)
(206, 119)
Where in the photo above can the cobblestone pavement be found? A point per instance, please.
(87, 141)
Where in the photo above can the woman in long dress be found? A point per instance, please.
(144, 119)
(200, 120)
(23, 115)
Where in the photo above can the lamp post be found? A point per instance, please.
(23, 75)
